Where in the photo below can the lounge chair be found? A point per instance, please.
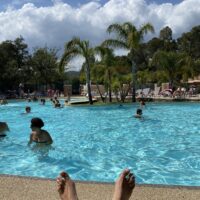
(146, 92)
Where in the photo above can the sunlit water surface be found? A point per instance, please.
(94, 143)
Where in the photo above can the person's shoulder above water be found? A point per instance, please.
(39, 135)
(46, 137)
(27, 110)
(3, 129)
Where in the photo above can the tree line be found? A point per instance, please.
(161, 59)
(18, 65)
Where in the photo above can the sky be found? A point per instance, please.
(18, 3)
(54, 22)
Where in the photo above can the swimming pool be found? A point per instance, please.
(94, 143)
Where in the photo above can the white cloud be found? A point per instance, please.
(56, 24)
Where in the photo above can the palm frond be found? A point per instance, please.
(72, 43)
(129, 27)
(67, 57)
(145, 29)
(115, 44)
(103, 51)
(118, 30)
(100, 50)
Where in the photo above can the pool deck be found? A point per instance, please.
(80, 101)
(18, 188)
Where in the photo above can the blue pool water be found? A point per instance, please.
(96, 143)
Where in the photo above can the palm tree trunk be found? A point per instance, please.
(88, 83)
(109, 86)
(102, 98)
(133, 81)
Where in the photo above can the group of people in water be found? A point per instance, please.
(56, 103)
(66, 186)
(38, 135)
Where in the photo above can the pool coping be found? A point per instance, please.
(105, 183)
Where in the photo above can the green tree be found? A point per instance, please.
(190, 43)
(107, 59)
(166, 36)
(121, 77)
(44, 65)
(14, 58)
(9, 75)
(121, 85)
(154, 45)
(129, 38)
(172, 66)
(22, 58)
(145, 76)
(77, 47)
(98, 77)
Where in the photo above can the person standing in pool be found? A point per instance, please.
(28, 109)
(142, 104)
(39, 135)
(3, 129)
(138, 113)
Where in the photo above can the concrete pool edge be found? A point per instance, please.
(105, 183)
(32, 188)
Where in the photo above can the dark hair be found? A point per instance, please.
(37, 122)
(28, 108)
(139, 111)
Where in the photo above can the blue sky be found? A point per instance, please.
(75, 3)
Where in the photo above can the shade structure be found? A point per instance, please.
(195, 82)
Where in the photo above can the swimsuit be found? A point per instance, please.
(3, 135)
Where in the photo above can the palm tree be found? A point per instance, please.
(129, 38)
(77, 47)
(107, 58)
(174, 66)
(98, 76)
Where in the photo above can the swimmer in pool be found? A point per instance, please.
(142, 104)
(39, 135)
(3, 129)
(42, 101)
(138, 113)
(28, 109)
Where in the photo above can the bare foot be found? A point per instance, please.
(66, 187)
(124, 186)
